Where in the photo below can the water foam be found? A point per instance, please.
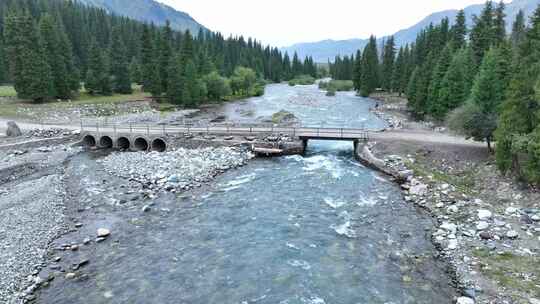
(366, 202)
(319, 162)
(334, 204)
(300, 264)
(344, 229)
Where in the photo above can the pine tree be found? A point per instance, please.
(387, 69)
(165, 53)
(187, 48)
(499, 29)
(287, 72)
(435, 106)
(457, 82)
(459, 31)
(370, 78)
(297, 67)
(520, 112)
(148, 63)
(482, 34)
(175, 85)
(97, 76)
(189, 81)
(399, 69)
(487, 94)
(3, 65)
(119, 64)
(31, 72)
(518, 30)
(135, 71)
(357, 72)
(51, 42)
(66, 49)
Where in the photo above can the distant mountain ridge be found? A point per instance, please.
(325, 50)
(148, 11)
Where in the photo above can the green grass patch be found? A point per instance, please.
(463, 182)
(7, 91)
(302, 80)
(519, 275)
(337, 85)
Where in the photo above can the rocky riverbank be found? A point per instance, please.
(488, 224)
(174, 171)
(32, 214)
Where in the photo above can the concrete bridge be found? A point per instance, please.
(157, 138)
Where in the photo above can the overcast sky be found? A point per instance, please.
(284, 22)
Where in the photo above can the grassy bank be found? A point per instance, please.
(337, 85)
(7, 91)
(302, 80)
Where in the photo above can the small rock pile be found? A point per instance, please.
(177, 170)
(48, 133)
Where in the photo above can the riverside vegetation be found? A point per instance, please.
(484, 82)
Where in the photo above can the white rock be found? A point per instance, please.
(511, 210)
(452, 244)
(450, 227)
(439, 205)
(464, 300)
(512, 234)
(534, 301)
(103, 232)
(484, 214)
(482, 225)
(419, 189)
(452, 209)
(535, 218)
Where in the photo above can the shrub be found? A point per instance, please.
(302, 80)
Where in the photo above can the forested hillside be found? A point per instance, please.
(148, 11)
(485, 83)
(50, 48)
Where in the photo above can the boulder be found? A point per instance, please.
(484, 214)
(482, 225)
(464, 300)
(284, 117)
(13, 129)
(103, 232)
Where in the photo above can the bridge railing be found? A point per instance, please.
(229, 129)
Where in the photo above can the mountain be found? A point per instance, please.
(325, 50)
(148, 11)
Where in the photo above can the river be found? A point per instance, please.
(315, 229)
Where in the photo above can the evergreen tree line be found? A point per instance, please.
(483, 81)
(49, 47)
(342, 68)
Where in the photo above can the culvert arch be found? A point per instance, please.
(159, 145)
(123, 143)
(140, 144)
(106, 142)
(89, 141)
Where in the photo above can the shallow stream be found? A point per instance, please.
(314, 229)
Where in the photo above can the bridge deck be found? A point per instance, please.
(305, 133)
